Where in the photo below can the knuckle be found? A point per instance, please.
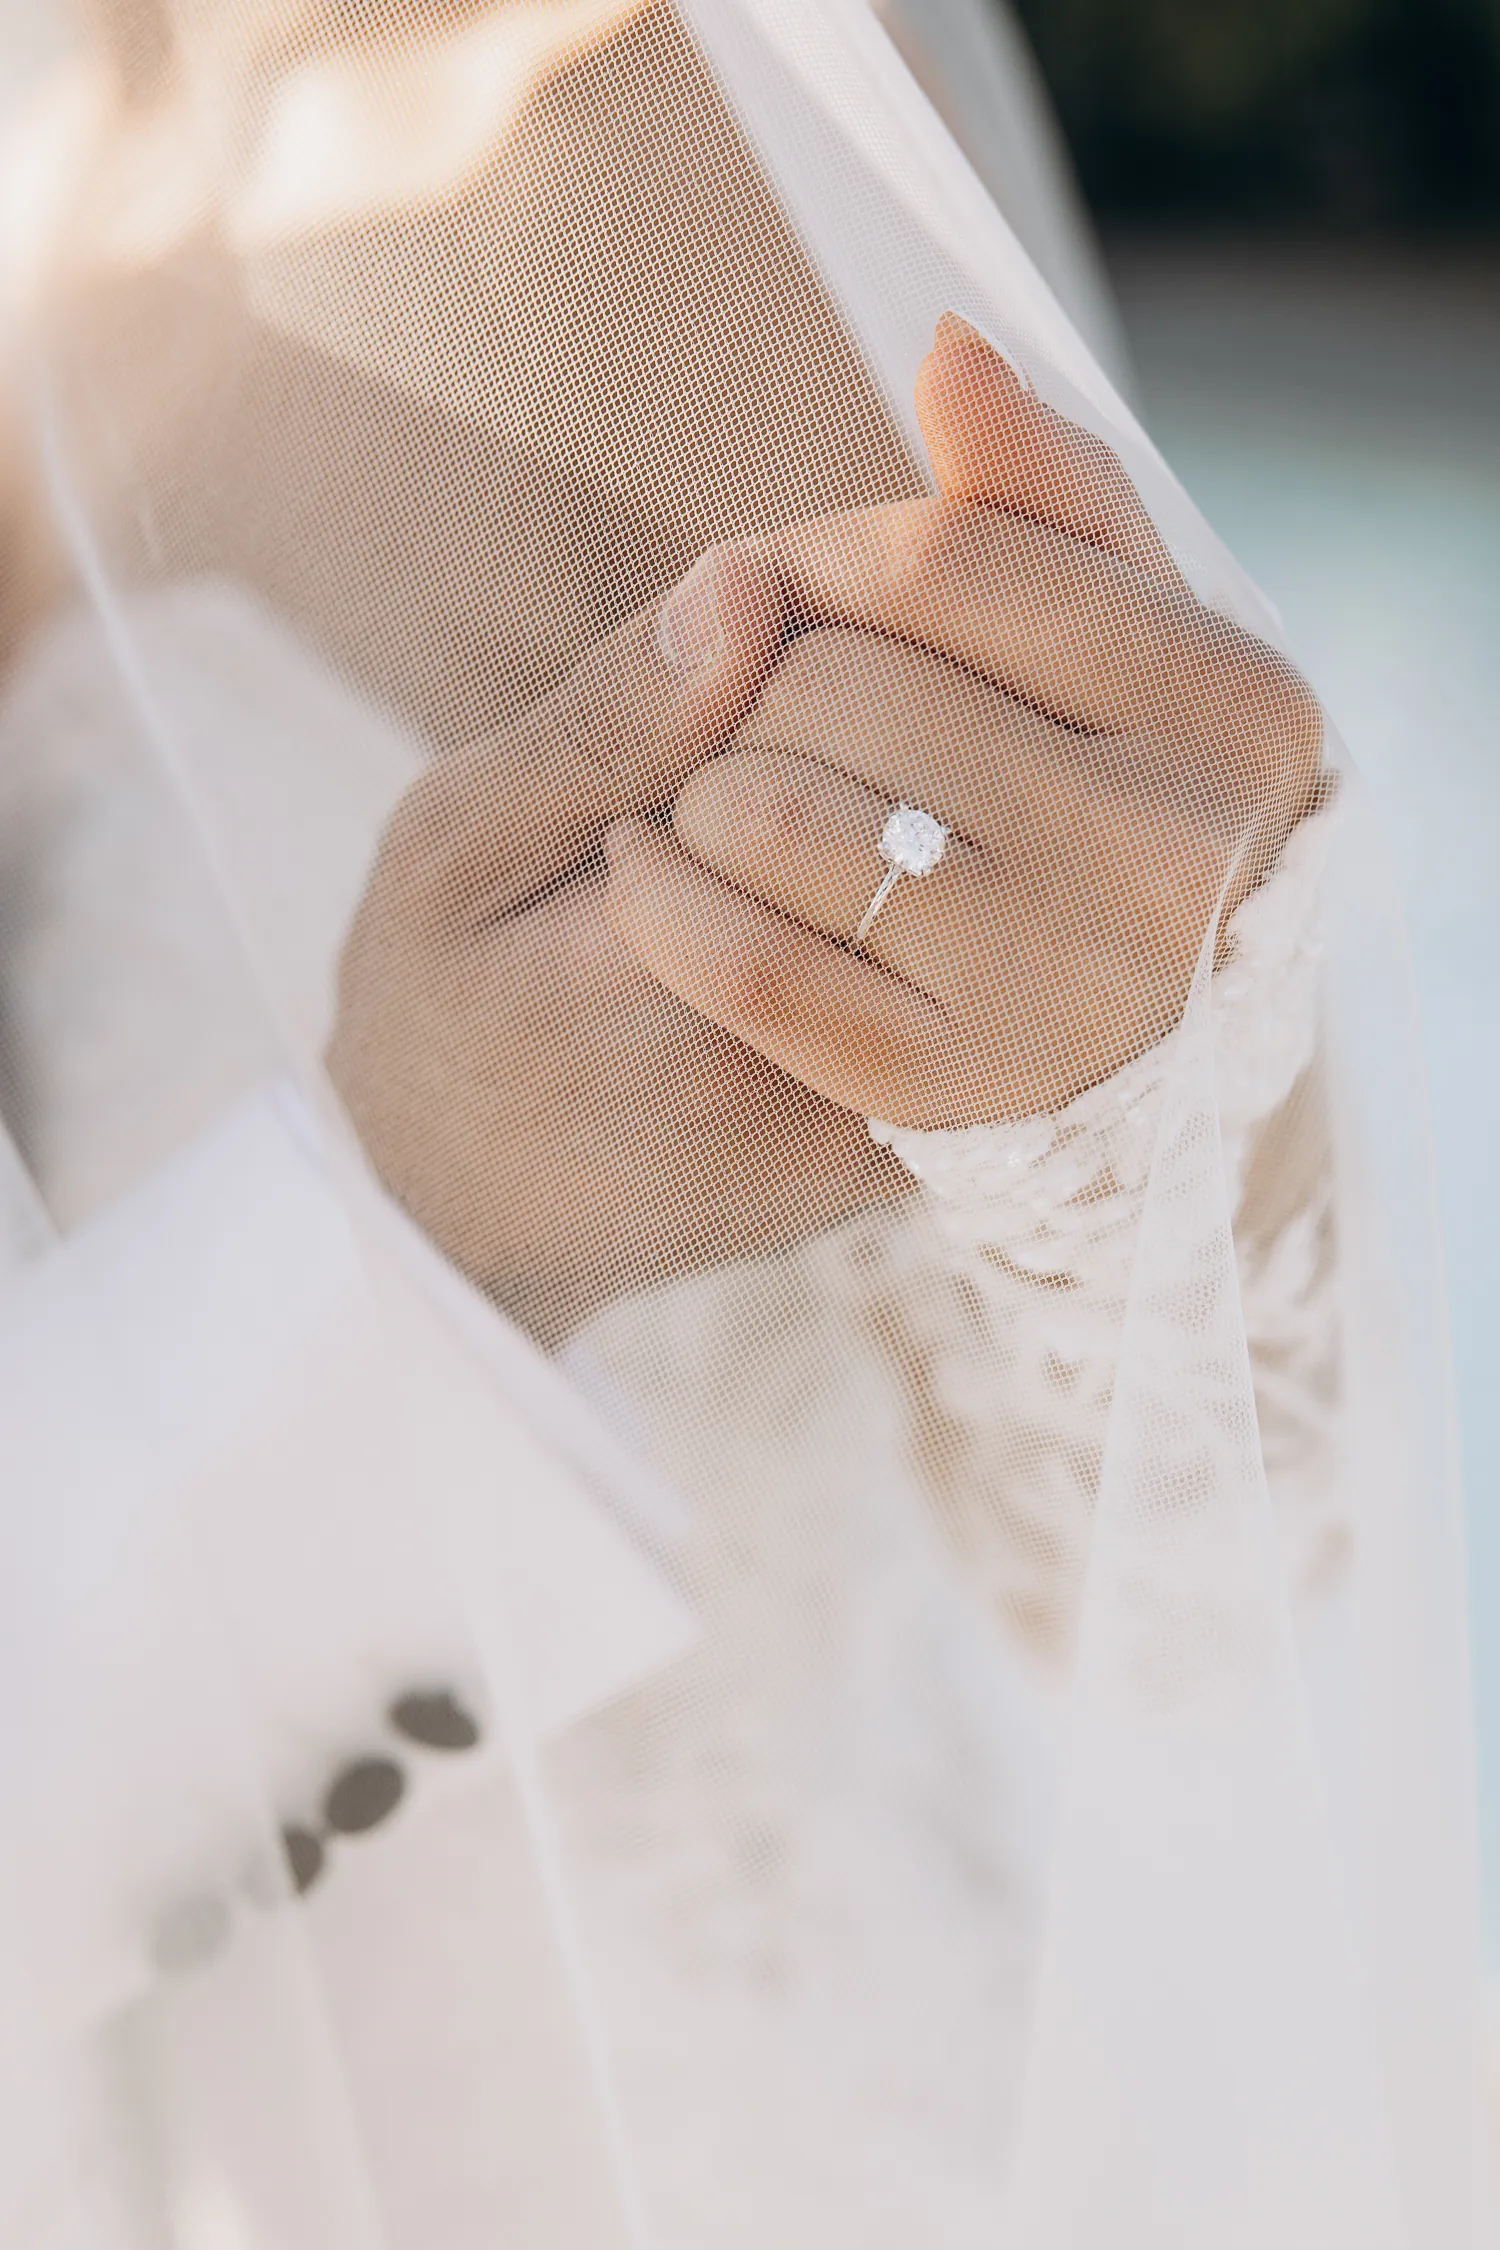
(1294, 714)
(759, 989)
(916, 1090)
(1280, 728)
(898, 1068)
(1247, 727)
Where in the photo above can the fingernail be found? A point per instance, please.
(953, 324)
(687, 630)
(953, 327)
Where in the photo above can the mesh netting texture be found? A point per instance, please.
(733, 1514)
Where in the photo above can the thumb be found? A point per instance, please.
(489, 827)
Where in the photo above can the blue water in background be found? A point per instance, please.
(1338, 420)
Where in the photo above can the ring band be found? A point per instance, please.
(911, 843)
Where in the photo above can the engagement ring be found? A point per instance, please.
(911, 843)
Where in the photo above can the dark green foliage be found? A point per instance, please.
(1345, 112)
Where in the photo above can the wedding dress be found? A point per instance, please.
(958, 1718)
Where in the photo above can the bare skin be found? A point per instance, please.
(600, 1019)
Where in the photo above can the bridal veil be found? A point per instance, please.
(894, 1673)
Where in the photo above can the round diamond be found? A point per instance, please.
(913, 840)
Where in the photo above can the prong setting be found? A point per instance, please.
(912, 841)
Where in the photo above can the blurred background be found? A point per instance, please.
(1299, 205)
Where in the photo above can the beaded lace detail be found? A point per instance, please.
(1006, 1294)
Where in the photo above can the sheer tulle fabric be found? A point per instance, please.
(906, 1499)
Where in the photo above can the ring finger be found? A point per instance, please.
(805, 839)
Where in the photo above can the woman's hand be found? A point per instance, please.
(1021, 659)
(583, 1082)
